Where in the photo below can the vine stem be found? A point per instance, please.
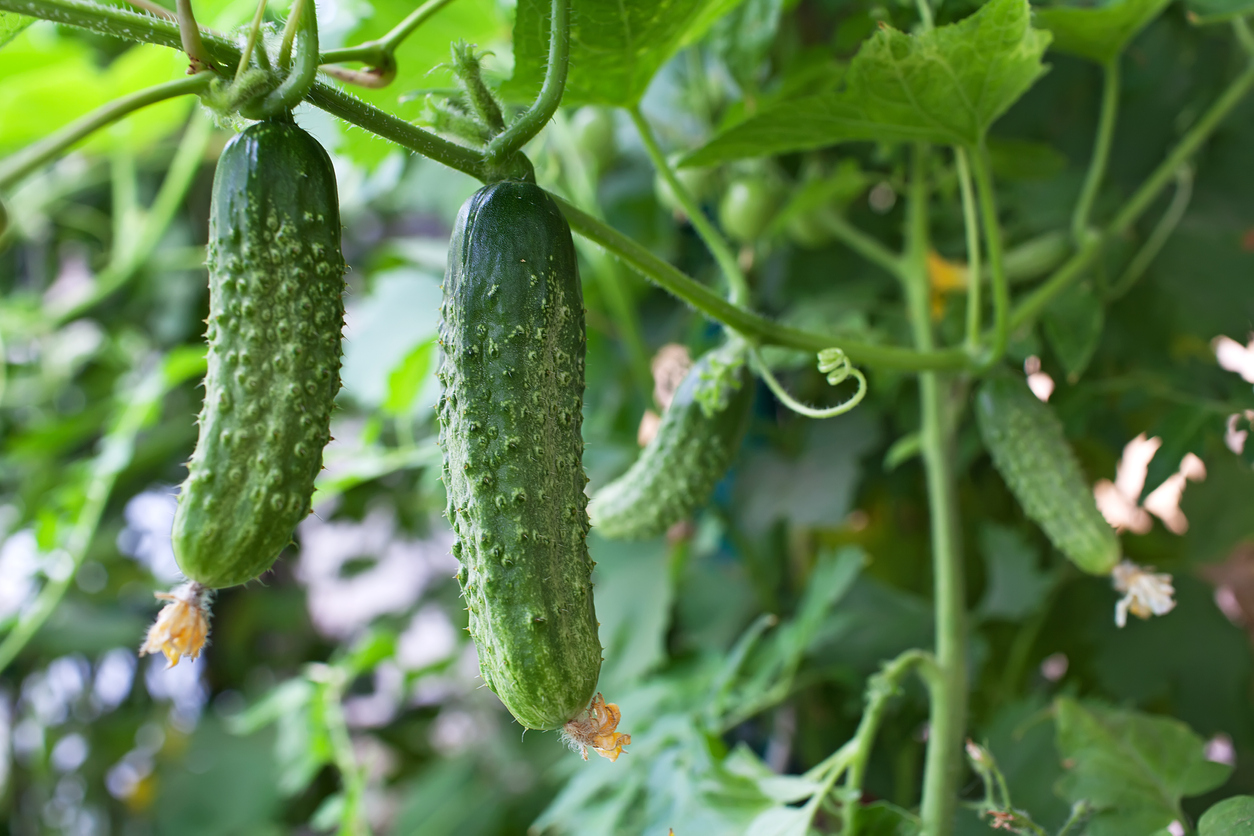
(125, 261)
(745, 321)
(606, 271)
(1073, 268)
(880, 689)
(526, 126)
(333, 682)
(379, 53)
(862, 244)
(971, 224)
(738, 286)
(943, 766)
(996, 262)
(1158, 237)
(1101, 151)
(26, 161)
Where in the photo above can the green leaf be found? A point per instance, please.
(1098, 33)
(1230, 817)
(1183, 430)
(615, 48)
(1133, 768)
(11, 24)
(1073, 325)
(780, 821)
(1216, 11)
(634, 621)
(407, 378)
(1016, 586)
(946, 85)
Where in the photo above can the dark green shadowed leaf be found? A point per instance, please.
(1098, 34)
(615, 48)
(1133, 768)
(1230, 817)
(947, 86)
(1216, 11)
(1073, 325)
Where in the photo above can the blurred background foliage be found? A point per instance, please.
(342, 688)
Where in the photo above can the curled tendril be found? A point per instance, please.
(832, 362)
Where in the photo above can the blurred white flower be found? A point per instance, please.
(149, 520)
(1118, 500)
(1144, 592)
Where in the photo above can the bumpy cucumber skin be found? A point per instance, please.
(512, 332)
(276, 310)
(692, 450)
(1032, 455)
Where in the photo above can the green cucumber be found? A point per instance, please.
(1032, 455)
(276, 310)
(694, 446)
(512, 333)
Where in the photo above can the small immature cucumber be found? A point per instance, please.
(1030, 452)
(512, 332)
(276, 309)
(677, 471)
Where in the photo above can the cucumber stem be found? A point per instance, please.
(541, 111)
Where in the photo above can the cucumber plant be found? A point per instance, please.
(919, 95)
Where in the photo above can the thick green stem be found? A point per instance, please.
(996, 263)
(1101, 152)
(943, 767)
(541, 111)
(189, 34)
(971, 223)
(1075, 267)
(711, 237)
(31, 158)
(746, 322)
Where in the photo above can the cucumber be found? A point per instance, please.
(694, 446)
(512, 334)
(276, 310)
(1030, 452)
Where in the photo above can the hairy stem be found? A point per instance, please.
(744, 321)
(541, 111)
(943, 766)
(1101, 151)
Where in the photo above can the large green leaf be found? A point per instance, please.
(946, 85)
(1230, 817)
(1133, 768)
(615, 47)
(1073, 324)
(1101, 33)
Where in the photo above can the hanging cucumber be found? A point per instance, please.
(512, 332)
(694, 446)
(276, 310)
(1031, 453)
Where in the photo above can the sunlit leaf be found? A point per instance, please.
(946, 85)
(10, 24)
(1098, 33)
(615, 50)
